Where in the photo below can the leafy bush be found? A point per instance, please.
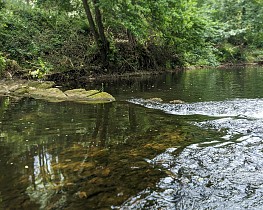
(2, 63)
(41, 69)
(31, 35)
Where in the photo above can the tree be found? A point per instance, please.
(59, 5)
(97, 29)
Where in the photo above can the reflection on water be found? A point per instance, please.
(137, 154)
(76, 156)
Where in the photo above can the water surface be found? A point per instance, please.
(136, 153)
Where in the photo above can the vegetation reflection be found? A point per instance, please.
(75, 156)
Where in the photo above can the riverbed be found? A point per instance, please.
(139, 152)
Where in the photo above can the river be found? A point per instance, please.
(136, 153)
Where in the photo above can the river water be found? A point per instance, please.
(136, 153)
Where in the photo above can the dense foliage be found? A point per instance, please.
(100, 36)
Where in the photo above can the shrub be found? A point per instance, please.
(2, 63)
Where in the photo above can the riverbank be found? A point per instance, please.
(83, 76)
(60, 46)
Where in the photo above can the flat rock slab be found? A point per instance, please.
(49, 94)
(46, 91)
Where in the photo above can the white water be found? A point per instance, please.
(249, 108)
(225, 174)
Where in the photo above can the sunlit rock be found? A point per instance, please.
(41, 85)
(176, 101)
(50, 94)
(102, 96)
(83, 95)
(23, 89)
(45, 91)
(80, 93)
(155, 100)
(14, 87)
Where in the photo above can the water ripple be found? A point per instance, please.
(249, 108)
(215, 174)
(227, 177)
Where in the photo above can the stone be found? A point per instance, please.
(80, 93)
(83, 95)
(41, 85)
(50, 94)
(177, 101)
(45, 91)
(155, 100)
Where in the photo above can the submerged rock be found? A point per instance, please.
(177, 101)
(45, 90)
(155, 100)
(159, 100)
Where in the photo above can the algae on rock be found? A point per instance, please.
(46, 91)
(50, 94)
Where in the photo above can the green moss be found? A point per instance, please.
(44, 90)
(42, 85)
(102, 96)
(50, 94)
(89, 96)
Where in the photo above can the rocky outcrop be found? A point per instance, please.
(50, 94)
(47, 91)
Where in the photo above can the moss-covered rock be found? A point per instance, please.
(80, 93)
(41, 85)
(101, 96)
(89, 96)
(45, 90)
(50, 94)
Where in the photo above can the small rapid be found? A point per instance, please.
(213, 174)
(248, 108)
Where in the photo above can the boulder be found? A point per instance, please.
(41, 85)
(80, 93)
(45, 90)
(50, 94)
(83, 95)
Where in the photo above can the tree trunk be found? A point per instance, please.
(105, 43)
(97, 29)
(131, 37)
(91, 21)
